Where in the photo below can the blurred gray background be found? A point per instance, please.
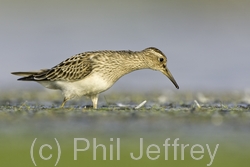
(207, 42)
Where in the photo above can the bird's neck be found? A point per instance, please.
(119, 64)
(132, 62)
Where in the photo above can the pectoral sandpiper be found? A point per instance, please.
(90, 73)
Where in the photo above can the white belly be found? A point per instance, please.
(91, 85)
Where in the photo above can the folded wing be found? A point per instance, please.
(72, 69)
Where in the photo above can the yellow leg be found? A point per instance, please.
(94, 101)
(63, 103)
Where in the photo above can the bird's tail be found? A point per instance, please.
(29, 75)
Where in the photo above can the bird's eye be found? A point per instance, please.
(161, 59)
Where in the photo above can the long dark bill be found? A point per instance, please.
(170, 76)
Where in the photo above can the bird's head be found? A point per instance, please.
(156, 60)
